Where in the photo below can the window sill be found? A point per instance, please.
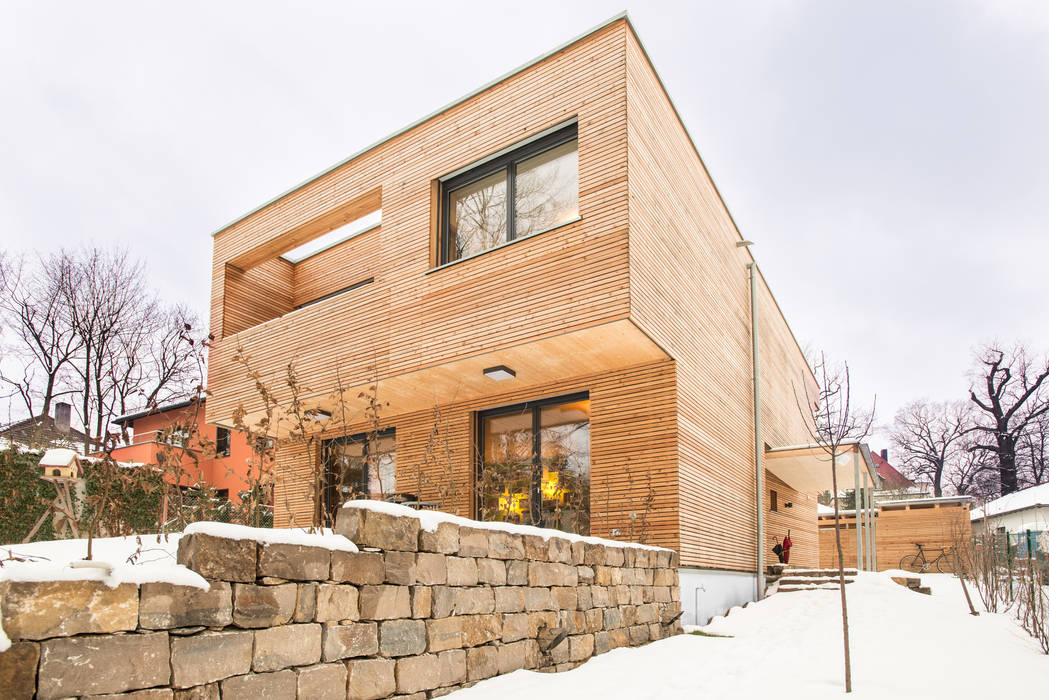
(504, 245)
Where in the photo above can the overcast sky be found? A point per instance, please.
(890, 160)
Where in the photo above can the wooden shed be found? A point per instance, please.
(899, 527)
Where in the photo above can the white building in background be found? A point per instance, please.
(1017, 512)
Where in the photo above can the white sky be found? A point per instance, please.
(891, 160)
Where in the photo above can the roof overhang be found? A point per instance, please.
(807, 468)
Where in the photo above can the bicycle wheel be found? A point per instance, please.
(945, 563)
(913, 562)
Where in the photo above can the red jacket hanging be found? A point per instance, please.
(787, 544)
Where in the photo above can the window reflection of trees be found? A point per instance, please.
(547, 190)
(546, 194)
(359, 467)
(549, 489)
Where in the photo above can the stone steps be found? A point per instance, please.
(783, 579)
(810, 580)
(913, 583)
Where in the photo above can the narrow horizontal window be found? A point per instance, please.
(529, 190)
(336, 293)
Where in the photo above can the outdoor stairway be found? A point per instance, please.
(783, 579)
(913, 583)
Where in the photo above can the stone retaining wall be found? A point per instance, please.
(415, 614)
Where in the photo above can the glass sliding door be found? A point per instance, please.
(535, 464)
(358, 467)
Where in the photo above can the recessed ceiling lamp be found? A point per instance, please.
(499, 373)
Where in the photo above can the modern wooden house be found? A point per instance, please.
(552, 300)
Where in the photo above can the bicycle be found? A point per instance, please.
(918, 563)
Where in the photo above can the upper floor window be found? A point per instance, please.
(531, 189)
(222, 442)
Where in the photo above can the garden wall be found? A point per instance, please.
(419, 612)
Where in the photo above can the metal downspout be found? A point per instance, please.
(759, 451)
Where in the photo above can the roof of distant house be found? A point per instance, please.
(132, 417)
(891, 478)
(41, 431)
(1031, 497)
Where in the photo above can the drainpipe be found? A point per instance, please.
(759, 449)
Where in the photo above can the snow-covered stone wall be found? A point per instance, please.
(428, 604)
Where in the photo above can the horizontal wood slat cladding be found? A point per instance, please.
(337, 268)
(689, 291)
(569, 278)
(306, 231)
(799, 518)
(632, 450)
(257, 295)
(897, 530)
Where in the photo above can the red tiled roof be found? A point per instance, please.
(891, 478)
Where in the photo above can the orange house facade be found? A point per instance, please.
(552, 303)
(214, 455)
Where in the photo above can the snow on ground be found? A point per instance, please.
(789, 647)
(430, 519)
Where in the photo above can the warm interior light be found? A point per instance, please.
(510, 503)
(499, 373)
(551, 485)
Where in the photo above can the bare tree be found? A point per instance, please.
(1033, 452)
(85, 323)
(930, 438)
(834, 423)
(42, 341)
(972, 472)
(155, 360)
(1008, 389)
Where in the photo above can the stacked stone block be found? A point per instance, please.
(415, 614)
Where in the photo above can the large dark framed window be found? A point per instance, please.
(358, 467)
(531, 189)
(534, 465)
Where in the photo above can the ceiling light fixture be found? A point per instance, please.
(499, 373)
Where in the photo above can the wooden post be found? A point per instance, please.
(856, 511)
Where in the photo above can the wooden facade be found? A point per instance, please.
(898, 527)
(643, 301)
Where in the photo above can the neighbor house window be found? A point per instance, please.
(529, 190)
(222, 442)
(773, 501)
(535, 464)
(360, 466)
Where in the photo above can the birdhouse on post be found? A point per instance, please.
(60, 464)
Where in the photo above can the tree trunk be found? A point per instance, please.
(1007, 463)
(841, 574)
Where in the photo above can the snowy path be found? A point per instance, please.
(904, 645)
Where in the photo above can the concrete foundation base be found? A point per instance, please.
(708, 592)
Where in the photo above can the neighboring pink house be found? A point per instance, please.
(223, 463)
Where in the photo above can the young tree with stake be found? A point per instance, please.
(834, 423)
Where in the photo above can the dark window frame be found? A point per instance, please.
(535, 406)
(331, 485)
(773, 501)
(223, 441)
(507, 162)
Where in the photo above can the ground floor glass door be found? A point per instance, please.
(535, 464)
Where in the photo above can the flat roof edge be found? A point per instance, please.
(418, 122)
